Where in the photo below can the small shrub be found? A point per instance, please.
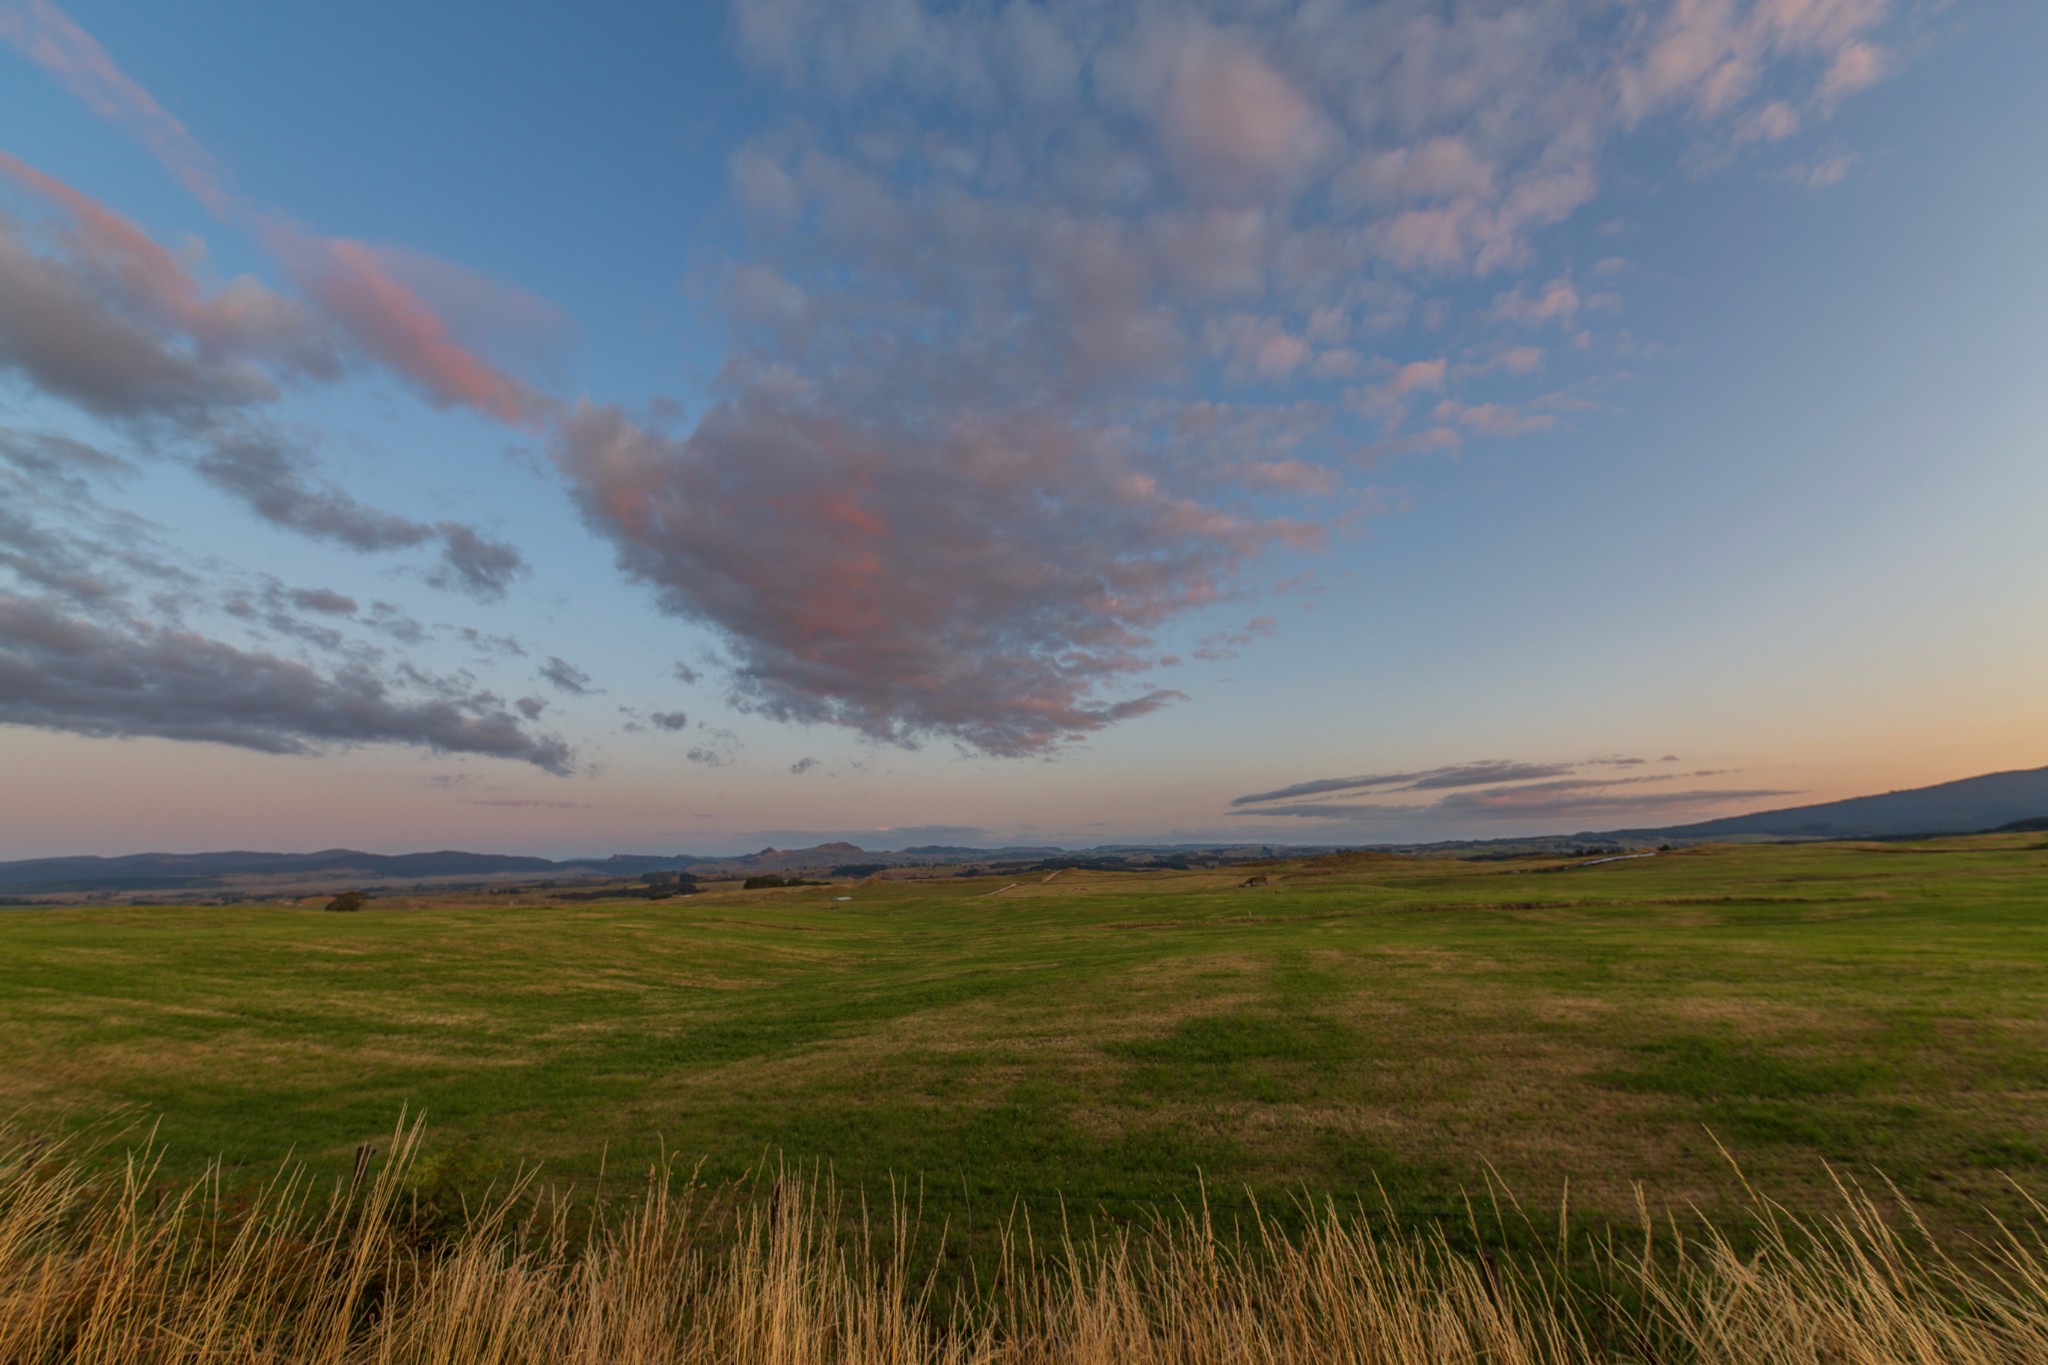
(348, 900)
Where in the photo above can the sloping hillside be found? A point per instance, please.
(1962, 807)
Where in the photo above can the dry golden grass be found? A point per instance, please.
(97, 1266)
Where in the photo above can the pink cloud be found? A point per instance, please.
(1854, 67)
(354, 284)
(1387, 398)
(1417, 375)
(1493, 419)
(1828, 170)
(1291, 476)
(1217, 253)
(1773, 122)
(243, 318)
(1437, 238)
(1709, 56)
(1258, 348)
(1341, 362)
(984, 583)
(1556, 302)
(48, 37)
(1235, 126)
(507, 326)
(1520, 359)
(1441, 167)
(113, 322)
(1234, 121)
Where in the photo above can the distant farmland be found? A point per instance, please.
(1368, 1027)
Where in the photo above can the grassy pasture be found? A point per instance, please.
(1360, 1025)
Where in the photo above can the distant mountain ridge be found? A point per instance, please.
(1969, 805)
(340, 867)
(2011, 801)
(152, 871)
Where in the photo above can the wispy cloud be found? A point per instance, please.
(47, 36)
(352, 283)
(1823, 172)
(566, 677)
(1583, 794)
(1497, 790)
(356, 286)
(275, 480)
(129, 677)
(112, 321)
(1533, 806)
(1431, 779)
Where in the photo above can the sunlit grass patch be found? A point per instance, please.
(1385, 1024)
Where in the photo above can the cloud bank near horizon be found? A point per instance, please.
(1500, 790)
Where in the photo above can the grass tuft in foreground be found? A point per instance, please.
(97, 1267)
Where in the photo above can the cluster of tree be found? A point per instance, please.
(654, 886)
(762, 883)
(1101, 862)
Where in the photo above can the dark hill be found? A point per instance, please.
(1968, 806)
(168, 871)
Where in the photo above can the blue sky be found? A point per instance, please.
(438, 425)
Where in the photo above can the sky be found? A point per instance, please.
(689, 428)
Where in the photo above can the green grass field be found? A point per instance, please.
(1111, 1039)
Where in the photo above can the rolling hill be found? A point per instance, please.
(173, 871)
(2011, 801)
(1967, 806)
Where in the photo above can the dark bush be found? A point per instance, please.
(349, 900)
